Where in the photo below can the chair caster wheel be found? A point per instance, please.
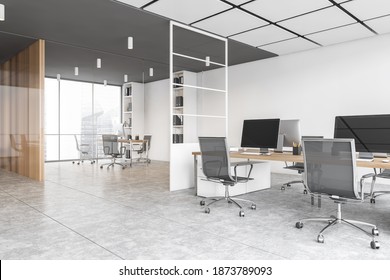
(282, 188)
(91, 162)
(202, 203)
(123, 167)
(101, 166)
(320, 238)
(299, 225)
(375, 232)
(372, 200)
(304, 191)
(253, 206)
(78, 163)
(207, 210)
(241, 213)
(82, 161)
(73, 162)
(375, 244)
(229, 201)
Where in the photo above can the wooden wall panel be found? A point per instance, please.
(21, 95)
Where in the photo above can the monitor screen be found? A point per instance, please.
(371, 132)
(290, 131)
(261, 133)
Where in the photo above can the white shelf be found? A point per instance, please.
(127, 96)
(127, 112)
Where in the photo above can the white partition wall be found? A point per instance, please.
(198, 106)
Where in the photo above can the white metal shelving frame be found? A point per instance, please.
(181, 160)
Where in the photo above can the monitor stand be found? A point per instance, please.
(264, 151)
(380, 155)
(366, 155)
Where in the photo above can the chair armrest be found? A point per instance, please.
(364, 177)
(249, 173)
(122, 150)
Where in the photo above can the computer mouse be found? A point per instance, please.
(385, 160)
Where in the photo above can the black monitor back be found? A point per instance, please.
(261, 133)
(371, 132)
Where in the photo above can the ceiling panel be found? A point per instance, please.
(380, 25)
(341, 34)
(135, 3)
(342, 1)
(238, 2)
(367, 9)
(187, 11)
(225, 24)
(318, 21)
(289, 46)
(264, 35)
(273, 11)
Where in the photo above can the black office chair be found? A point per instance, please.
(385, 174)
(111, 148)
(330, 170)
(299, 167)
(217, 168)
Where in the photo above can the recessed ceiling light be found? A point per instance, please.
(58, 77)
(105, 82)
(151, 72)
(207, 61)
(99, 63)
(76, 71)
(130, 44)
(2, 12)
(125, 78)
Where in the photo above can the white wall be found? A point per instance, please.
(157, 118)
(313, 86)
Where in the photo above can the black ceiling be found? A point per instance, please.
(79, 31)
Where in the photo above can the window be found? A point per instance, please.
(78, 108)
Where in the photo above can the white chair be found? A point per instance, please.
(84, 151)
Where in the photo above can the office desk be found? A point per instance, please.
(283, 157)
(138, 142)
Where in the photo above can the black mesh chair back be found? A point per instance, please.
(215, 158)
(330, 167)
(110, 145)
(149, 139)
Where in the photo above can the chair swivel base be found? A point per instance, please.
(82, 161)
(112, 164)
(333, 220)
(228, 199)
(288, 184)
(376, 194)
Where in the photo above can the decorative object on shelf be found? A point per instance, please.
(177, 138)
(177, 120)
(179, 101)
(128, 91)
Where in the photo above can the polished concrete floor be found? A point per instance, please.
(83, 212)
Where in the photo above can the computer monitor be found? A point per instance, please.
(261, 133)
(289, 134)
(371, 133)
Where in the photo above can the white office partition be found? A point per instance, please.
(198, 107)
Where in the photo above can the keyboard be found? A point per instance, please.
(256, 154)
(365, 159)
